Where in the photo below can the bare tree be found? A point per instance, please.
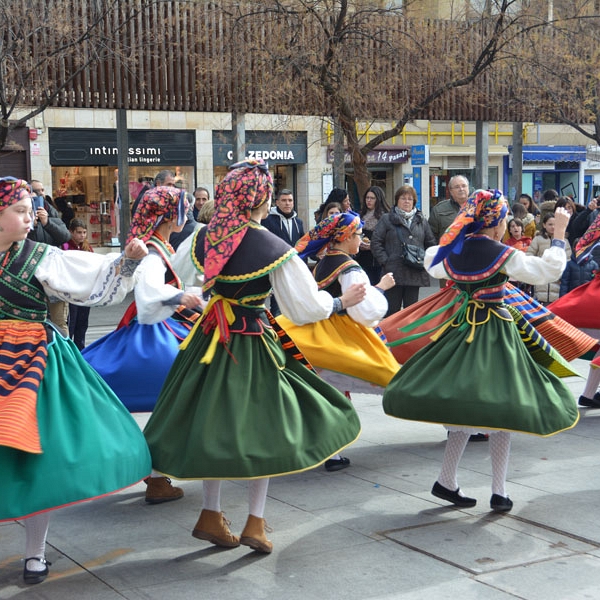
(323, 43)
(559, 64)
(47, 54)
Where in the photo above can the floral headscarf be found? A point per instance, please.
(158, 203)
(247, 186)
(483, 209)
(333, 229)
(13, 190)
(588, 241)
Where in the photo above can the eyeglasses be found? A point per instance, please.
(360, 235)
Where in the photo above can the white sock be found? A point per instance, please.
(592, 383)
(212, 494)
(155, 474)
(257, 496)
(455, 446)
(499, 451)
(36, 530)
(336, 457)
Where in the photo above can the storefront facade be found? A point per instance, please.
(83, 170)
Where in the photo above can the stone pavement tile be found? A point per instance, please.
(354, 572)
(483, 542)
(567, 578)
(67, 579)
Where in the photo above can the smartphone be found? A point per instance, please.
(38, 202)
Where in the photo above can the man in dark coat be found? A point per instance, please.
(49, 228)
(285, 224)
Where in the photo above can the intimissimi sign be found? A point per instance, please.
(81, 147)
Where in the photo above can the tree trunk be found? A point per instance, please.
(358, 158)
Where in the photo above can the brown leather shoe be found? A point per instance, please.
(213, 527)
(160, 490)
(254, 535)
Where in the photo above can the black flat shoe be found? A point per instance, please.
(479, 437)
(500, 503)
(439, 491)
(35, 576)
(337, 464)
(590, 402)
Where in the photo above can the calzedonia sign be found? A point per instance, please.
(274, 147)
(98, 147)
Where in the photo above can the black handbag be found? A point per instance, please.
(412, 256)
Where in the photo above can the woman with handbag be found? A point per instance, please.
(399, 241)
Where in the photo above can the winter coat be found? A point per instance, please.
(548, 292)
(54, 233)
(441, 216)
(276, 222)
(386, 247)
(575, 275)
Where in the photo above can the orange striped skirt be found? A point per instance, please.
(23, 354)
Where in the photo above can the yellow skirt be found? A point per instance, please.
(344, 346)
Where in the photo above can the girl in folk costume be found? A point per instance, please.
(580, 308)
(64, 435)
(345, 349)
(238, 403)
(478, 373)
(147, 338)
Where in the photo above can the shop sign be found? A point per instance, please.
(274, 147)
(381, 155)
(419, 155)
(83, 147)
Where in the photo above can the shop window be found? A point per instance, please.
(92, 191)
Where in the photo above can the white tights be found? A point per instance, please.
(499, 452)
(36, 530)
(592, 383)
(257, 495)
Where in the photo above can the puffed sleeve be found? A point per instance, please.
(373, 308)
(536, 270)
(438, 271)
(155, 299)
(184, 265)
(297, 293)
(86, 278)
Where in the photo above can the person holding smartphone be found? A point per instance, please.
(48, 227)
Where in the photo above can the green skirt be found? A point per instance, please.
(254, 411)
(91, 445)
(491, 382)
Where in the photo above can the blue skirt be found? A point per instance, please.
(135, 359)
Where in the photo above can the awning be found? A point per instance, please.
(553, 153)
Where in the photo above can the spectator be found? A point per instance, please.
(201, 197)
(336, 195)
(165, 177)
(547, 292)
(404, 224)
(78, 315)
(374, 206)
(50, 229)
(443, 213)
(283, 221)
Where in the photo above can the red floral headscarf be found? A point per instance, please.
(247, 186)
(161, 202)
(333, 229)
(13, 190)
(483, 209)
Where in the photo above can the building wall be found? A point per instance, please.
(451, 144)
